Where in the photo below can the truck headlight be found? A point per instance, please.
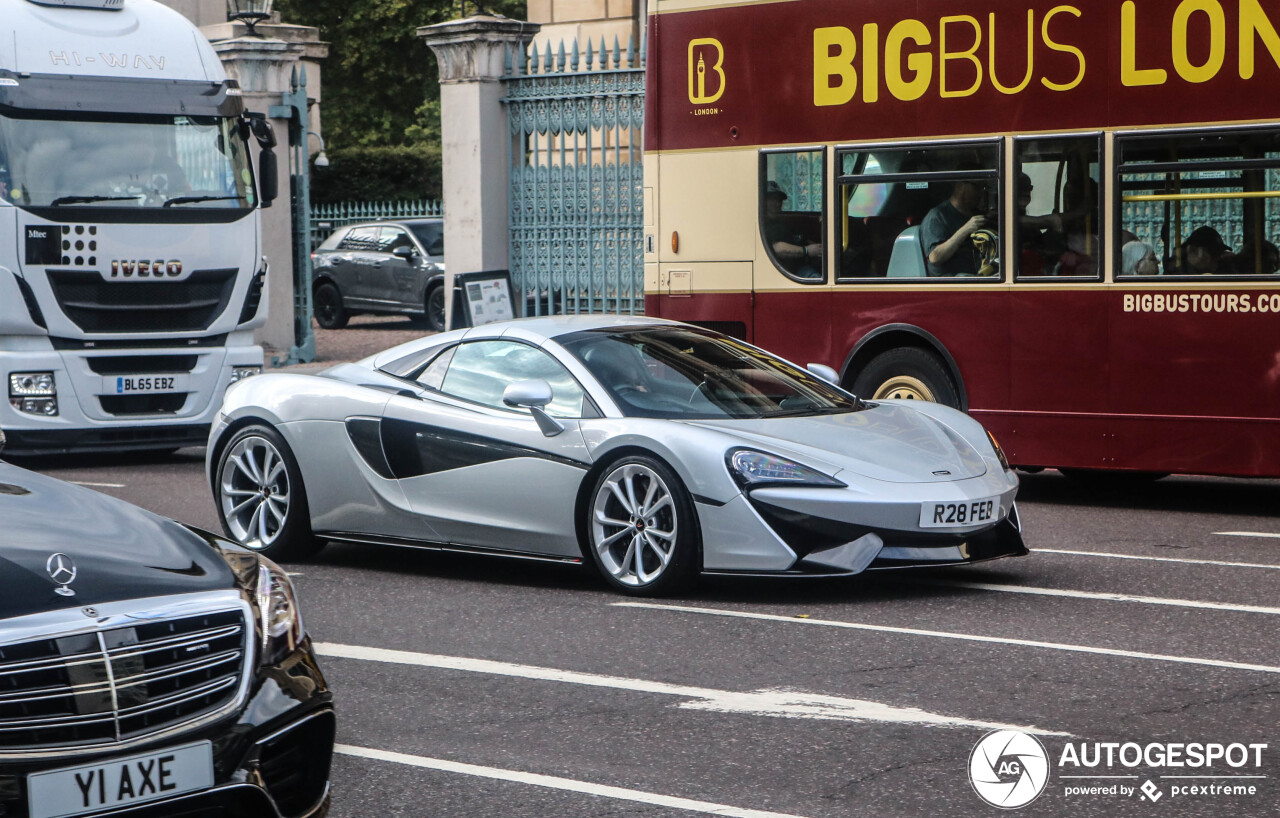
(751, 468)
(278, 614)
(239, 373)
(34, 393)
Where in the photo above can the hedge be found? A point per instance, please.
(378, 173)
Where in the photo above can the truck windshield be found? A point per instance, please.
(175, 162)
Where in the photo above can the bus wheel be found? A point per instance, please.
(907, 373)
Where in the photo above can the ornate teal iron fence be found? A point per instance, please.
(577, 178)
(325, 218)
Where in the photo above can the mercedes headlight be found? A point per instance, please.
(280, 621)
(752, 469)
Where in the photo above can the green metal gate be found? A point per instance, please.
(577, 181)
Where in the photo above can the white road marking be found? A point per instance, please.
(1247, 534)
(964, 637)
(778, 703)
(1156, 559)
(1145, 600)
(557, 783)
(97, 485)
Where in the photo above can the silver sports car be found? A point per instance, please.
(653, 449)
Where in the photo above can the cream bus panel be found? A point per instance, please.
(681, 279)
(710, 201)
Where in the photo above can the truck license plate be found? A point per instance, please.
(143, 384)
(121, 781)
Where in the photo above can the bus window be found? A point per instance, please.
(919, 212)
(791, 206)
(1199, 204)
(1058, 205)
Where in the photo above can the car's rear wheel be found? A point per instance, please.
(328, 308)
(907, 373)
(435, 308)
(641, 528)
(262, 502)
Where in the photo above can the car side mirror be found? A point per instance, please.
(533, 395)
(1, 440)
(403, 252)
(825, 372)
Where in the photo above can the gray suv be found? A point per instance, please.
(384, 268)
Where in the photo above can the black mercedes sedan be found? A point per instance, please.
(149, 669)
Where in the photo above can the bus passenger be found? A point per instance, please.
(1138, 259)
(800, 256)
(1205, 253)
(1265, 261)
(947, 227)
(1041, 236)
(1080, 223)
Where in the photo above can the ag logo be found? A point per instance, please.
(706, 56)
(1008, 769)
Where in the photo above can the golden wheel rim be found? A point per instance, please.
(904, 387)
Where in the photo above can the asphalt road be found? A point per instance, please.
(467, 686)
(474, 686)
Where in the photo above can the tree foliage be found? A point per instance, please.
(379, 173)
(380, 84)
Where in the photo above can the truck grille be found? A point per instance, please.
(163, 403)
(96, 305)
(111, 686)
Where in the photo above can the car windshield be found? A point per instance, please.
(682, 372)
(175, 162)
(430, 236)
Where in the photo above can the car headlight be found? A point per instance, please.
(752, 469)
(1004, 461)
(279, 619)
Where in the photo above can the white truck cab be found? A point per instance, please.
(131, 268)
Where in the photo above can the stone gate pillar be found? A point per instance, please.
(263, 68)
(476, 141)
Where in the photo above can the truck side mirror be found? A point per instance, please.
(262, 130)
(268, 178)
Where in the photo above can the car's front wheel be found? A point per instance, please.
(641, 528)
(261, 499)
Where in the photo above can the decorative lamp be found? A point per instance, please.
(249, 12)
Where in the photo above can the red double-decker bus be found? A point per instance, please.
(1060, 217)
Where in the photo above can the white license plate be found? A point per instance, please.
(958, 515)
(143, 384)
(121, 781)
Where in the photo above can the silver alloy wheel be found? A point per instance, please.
(254, 491)
(633, 524)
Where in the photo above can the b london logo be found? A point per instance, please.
(1008, 769)
(706, 71)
